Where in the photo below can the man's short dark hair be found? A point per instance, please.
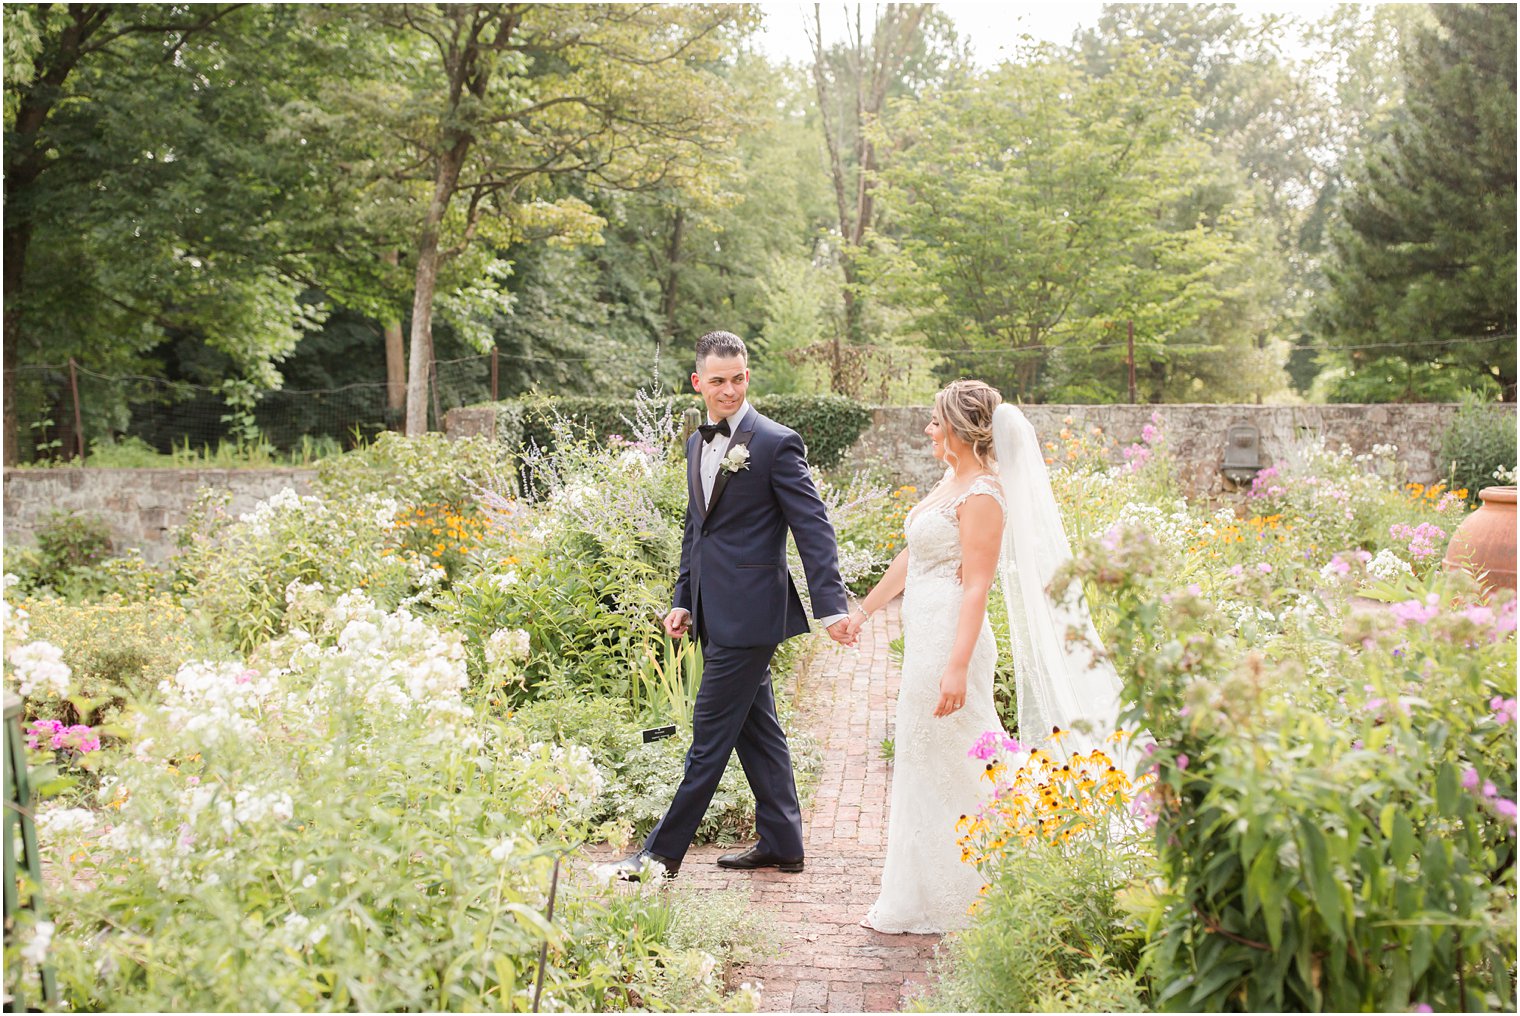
(720, 344)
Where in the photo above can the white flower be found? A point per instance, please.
(1388, 565)
(506, 644)
(385, 512)
(736, 459)
(60, 823)
(506, 580)
(308, 881)
(36, 948)
(40, 667)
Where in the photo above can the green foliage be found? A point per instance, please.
(1048, 935)
(639, 777)
(240, 574)
(119, 650)
(1423, 259)
(1329, 824)
(70, 542)
(1038, 209)
(828, 424)
(384, 848)
(413, 471)
(1479, 441)
(72, 557)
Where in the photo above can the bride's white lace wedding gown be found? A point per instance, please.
(925, 886)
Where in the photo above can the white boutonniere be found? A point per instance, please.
(736, 459)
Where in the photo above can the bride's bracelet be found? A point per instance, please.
(865, 615)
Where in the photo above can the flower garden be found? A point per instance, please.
(348, 753)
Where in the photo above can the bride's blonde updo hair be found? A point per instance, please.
(966, 407)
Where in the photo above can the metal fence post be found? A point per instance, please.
(18, 821)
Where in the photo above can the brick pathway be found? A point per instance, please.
(829, 963)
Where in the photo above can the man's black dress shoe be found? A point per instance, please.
(754, 858)
(632, 867)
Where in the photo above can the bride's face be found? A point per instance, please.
(942, 437)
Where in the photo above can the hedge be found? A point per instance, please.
(829, 424)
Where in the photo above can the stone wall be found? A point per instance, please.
(1195, 435)
(143, 507)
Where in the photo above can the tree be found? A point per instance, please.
(910, 49)
(490, 104)
(134, 210)
(1422, 274)
(1039, 208)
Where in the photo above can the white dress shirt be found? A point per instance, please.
(712, 460)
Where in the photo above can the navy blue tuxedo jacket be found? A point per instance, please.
(734, 579)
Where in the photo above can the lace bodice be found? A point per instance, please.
(934, 533)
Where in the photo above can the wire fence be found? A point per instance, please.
(64, 410)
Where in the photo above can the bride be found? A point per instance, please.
(992, 515)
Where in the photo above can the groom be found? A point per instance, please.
(747, 485)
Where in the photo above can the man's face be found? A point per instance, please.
(722, 382)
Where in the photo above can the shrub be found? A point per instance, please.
(330, 826)
(429, 469)
(241, 573)
(1334, 807)
(1479, 441)
(119, 651)
(1049, 935)
(828, 424)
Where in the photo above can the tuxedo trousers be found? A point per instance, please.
(735, 710)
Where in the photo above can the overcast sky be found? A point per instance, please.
(993, 29)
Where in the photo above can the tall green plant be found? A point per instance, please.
(1335, 826)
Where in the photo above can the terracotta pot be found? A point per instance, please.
(1485, 541)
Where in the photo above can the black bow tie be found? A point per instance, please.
(711, 430)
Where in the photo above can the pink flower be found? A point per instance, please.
(1182, 761)
(1505, 807)
(1504, 709)
(1236, 570)
(1489, 790)
(990, 743)
(1149, 434)
(1264, 568)
(1415, 612)
(1422, 1007)
(1470, 778)
(1422, 538)
(1340, 565)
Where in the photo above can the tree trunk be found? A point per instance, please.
(395, 358)
(25, 160)
(673, 273)
(428, 260)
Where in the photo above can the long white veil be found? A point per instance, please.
(1061, 680)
